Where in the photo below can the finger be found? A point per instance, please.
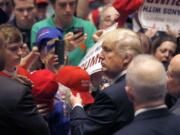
(42, 105)
(78, 35)
(54, 60)
(73, 43)
(82, 36)
(44, 111)
(95, 38)
(55, 56)
(35, 49)
(78, 95)
(69, 36)
(80, 39)
(99, 33)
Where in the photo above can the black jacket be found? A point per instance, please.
(154, 122)
(18, 113)
(111, 111)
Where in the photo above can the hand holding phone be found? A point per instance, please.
(75, 38)
(78, 32)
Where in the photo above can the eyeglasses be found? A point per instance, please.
(63, 5)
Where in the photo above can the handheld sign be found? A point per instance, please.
(91, 61)
(161, 13)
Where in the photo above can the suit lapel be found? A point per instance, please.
(120, 78)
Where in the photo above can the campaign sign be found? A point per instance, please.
(91, 61)
(161, 13)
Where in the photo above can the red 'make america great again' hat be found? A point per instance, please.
(45, 86)
(126, 7)
(78, 80)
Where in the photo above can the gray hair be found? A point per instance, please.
(147, 77)
(126, 41)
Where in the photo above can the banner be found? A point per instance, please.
(160, 13)
(91, 61)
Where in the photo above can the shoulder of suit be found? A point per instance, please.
(10, 83)
(11, 91)
(115, 88)
(116, 92)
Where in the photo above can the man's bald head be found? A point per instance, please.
(174, 66)
(174, 76)
(146, 77)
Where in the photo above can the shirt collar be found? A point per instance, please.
(139, 111)
(119, 76)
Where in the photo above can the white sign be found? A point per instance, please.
(161, 13)
(91, 61)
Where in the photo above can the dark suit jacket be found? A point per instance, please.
(176, 108)
(18, 113)
(154, 122)
(112, 110)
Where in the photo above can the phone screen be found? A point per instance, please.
(59, 51)
(77, 30)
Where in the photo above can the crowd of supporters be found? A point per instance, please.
(43, 91)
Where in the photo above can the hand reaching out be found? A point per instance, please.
(74, 100)
(151, 32)
(43, 109)
(97, 35)
(72, 40)
(172, 32)
(30, 59)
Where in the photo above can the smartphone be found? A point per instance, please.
(77, 30)
(59, 51)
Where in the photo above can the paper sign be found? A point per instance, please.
(91, 61)
(161, 13)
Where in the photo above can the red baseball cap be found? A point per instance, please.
(45, 86)
(41, 1)
(126, 7)
(78, 80)
(22, 71)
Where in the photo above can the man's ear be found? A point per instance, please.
(129, 92)
(169, 75)
(127, 59)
